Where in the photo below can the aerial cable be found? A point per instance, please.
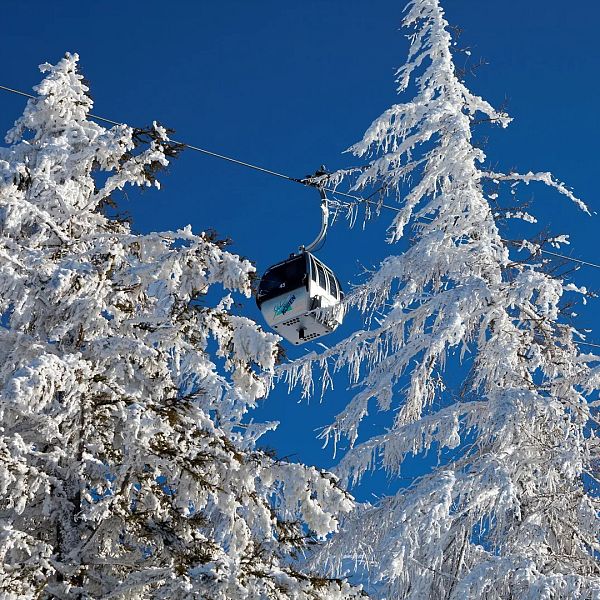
(580, 343)
(303, 181)
(556, 254)
(307, 181)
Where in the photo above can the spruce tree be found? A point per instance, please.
(509, 511)
(127, 469)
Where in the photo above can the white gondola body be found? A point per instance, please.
(307, 312)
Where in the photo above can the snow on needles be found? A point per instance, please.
(127, 468)
(511, 508)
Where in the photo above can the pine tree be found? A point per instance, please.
(126, 467)
(509, 511)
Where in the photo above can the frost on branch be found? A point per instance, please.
(511, 510)
(126, 467)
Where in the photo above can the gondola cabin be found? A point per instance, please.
(291, 294)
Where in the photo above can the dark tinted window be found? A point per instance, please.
(321, 277)
(313, 270)
(333, 290)
(282, 278)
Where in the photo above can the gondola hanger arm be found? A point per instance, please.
(324, 222)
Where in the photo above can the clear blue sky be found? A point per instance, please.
(290, 85)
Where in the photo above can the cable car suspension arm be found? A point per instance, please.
(324, 223)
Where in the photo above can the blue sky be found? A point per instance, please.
(290, 86)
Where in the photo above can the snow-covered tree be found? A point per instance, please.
(126, 467)
(509, 511)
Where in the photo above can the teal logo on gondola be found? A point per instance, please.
(284, 307)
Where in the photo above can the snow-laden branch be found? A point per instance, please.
(473, 355)
(128, 464)
(543, 177)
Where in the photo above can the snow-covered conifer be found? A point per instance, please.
(126, 469)
(508, 512)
